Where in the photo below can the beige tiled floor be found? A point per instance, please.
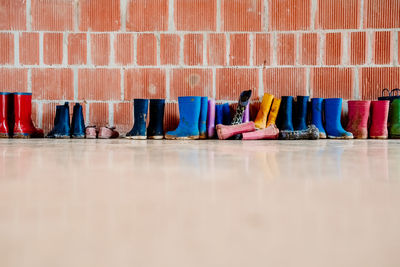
(199, 203)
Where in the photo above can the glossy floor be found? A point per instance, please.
(199, 203)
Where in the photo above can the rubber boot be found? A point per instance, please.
(203, 118)
(358, 118)
(379, 118)
(156, 123)
(227, 131)
(241, 107)
(395, 119)
(189, 114)
(139, 131)
(78, 122)
(61, 127)
(300, 114)
(273, 113)
(6, 123)
(211, 119)
(246, 115)
(262, 115)
(285, 114)
(23, 127)
(226, 111)
(311, 133)
(316, 116)
(219, 114)
(269, 133)
(333, 126)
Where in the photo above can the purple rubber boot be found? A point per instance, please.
(246, 116)
(211, 118)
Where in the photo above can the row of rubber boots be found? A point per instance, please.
(15, 116)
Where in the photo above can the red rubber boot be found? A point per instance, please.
(358, 119)
(23, 127)
(380, 114)
(5, 119)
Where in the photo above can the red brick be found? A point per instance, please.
(52, 48)
(98, 114)
(6, 48)
(12, 14)
(381, 47)
(169, 49)
(216, 47)
(99, 15)
(171, 117)
(286, 50)
(100, 49)
(231, 82)
(52, 84)
(123, 47)
(333, 49)
(338, 14)
(309, 49)
(239, 49)
(242, 15)
(52, 15)
(147, 15)
(193, 49)
(199, 15)
(144, 83)
(373, 80)
(332, 82)
(29, 48)
(99, 84)
(358, 48)
(285, 81)
(289, 15)
(13, 80)
(123, 117)
(77, 49)
(191, 82)
(262, 49)
(381, 14)
(146, 49)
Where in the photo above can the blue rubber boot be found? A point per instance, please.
(203, 118)
(62, 127)
(227, 119)
(219, 114)
(139, 131)
(300, 115)
(333, 126)
(285, 114)
(316, 116)
(189, 114)
(156, 123)
(78, 123)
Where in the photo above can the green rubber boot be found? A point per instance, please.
(395, 119)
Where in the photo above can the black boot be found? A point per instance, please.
(62, 127)
(285, 122)
(78, 123)
(300, 115)
(156, 123)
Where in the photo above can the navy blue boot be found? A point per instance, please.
(333, 126)
(78, 123)
(219, 114)
(156, 124)
(226, 114)
(300, 116)
(61, 123)
(285, 114)
(189, 114)
(203, 118)
(316, 116)
(138, 131)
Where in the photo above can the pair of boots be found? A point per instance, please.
(15, 116)
(62, 126)
(193, 112)
(156, 127)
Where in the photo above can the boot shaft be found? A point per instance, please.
(261, 119)
(189, 111)
(285, 113)
(300, 115)
(203, 117)
(22, 106)
(379, 118)
(156, 123)
(6, 113)
(211, 118)
(358, 114)
(273, 114)
(78, 122)
(140, 107)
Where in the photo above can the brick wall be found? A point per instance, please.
(103, 53)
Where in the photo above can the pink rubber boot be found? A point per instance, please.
(380, 113)
(271, 132)
(358, 119)
(226, 131)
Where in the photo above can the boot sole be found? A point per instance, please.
(4, 136)
(21, 136)
(195, 137)
(156, 137)
(378, 137)
(341, 137)
(136, 137)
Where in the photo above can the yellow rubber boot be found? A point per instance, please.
(261, 120)
(274, 112)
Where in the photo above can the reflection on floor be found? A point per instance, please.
(199, 203)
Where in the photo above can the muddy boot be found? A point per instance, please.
(211, 118)
(273, 113)
(139, 131)
(300, 115)
(156, 123)
(316, 114)
(333, 125)
(358, 118)
(62, 127)
(379, 118)
(269, 133)
(395, 119)
(261, 119)
(227, 131)
(311, 133)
